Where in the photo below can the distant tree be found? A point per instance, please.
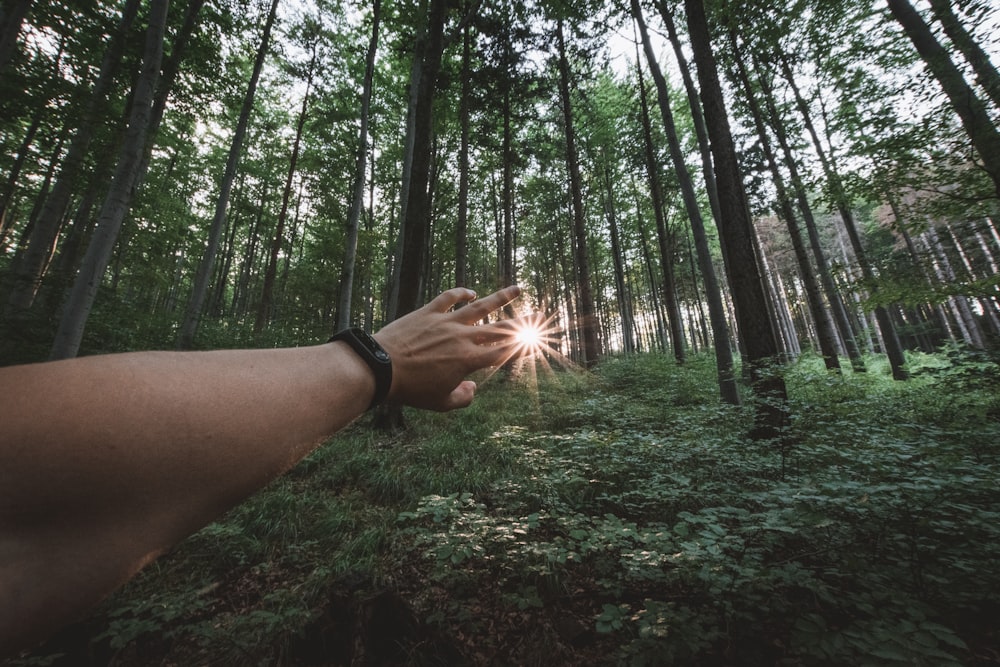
(192, 315)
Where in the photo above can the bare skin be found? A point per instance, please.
(108, 461)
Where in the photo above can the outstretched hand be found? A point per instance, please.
(435, 348)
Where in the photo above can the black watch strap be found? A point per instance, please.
(365, 345)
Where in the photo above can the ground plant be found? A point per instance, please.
(614, 517)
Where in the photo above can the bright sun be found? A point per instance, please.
(528, 336)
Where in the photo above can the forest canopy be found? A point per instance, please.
(221, 174)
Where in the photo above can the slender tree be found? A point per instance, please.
(820, 315)
(360, 169)
(890, 340)
(986, 73)
(716, 309)
(587, 318)
(416, 222)
(119, 198)
(967, 105)
(755, 327)
(192, 315)
(30, 268)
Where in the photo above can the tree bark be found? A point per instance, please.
(416, 222)
(45, 232)
(713, 293)
(360, 172)
(586, 314)
(192, 315)
(756, 328)
(119, 198)
(11, 17)
(986, 74)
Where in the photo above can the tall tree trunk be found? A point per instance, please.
(805, 208)
(716, 310)
(192, 315)
(360, 172)
(119, 198)
(892, 346)
(986, 73)
(31, 267)
(265, 309)
(755, 328)
(617, 257)
(416, 222)
(416, 81)
(970, 109)
(820, 315)
(586, 314)
(462, 226)
(12, 16)
(695, 105)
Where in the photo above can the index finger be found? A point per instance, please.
(445, 300)
(480, 308)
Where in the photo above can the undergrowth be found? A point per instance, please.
(619, 517)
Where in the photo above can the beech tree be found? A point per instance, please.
(192, 315)
(119, 197)
(755, 327)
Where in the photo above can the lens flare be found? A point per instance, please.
(528, 336)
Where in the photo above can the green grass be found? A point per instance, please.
(619, 517)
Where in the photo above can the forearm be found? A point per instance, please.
(107, 461)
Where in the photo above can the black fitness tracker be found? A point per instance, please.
(372, 353)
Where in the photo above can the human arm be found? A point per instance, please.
(107, 461)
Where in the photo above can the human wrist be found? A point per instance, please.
(369, 351)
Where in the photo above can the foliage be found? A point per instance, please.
(616, 517)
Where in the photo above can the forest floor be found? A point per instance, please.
(615, 517)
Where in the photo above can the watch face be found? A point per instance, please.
(372, 344)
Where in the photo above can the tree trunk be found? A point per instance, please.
(586, 315)
(970, 109)
(805, 208)
(192, 315)
(11, 17)
(360, 172)
(821, 317)
(695, 105)
(416, 222)
(462, 225)
(892, 347)
(756, 329)
(119, 198)
(265, 309)
(986, 74)
(716, 310)
(45, 232)
(617, 257)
